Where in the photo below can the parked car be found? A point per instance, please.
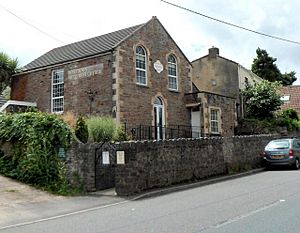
(284, 151)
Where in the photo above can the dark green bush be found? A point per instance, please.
(288, 118)
(36, 138)
(289, 113)
(81, 130)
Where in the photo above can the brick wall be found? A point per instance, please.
(36, 87)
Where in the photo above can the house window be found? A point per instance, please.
(215, 121)
(57, 101)
(140, 65)
(172, 73)
(285, 98)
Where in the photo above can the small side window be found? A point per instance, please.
(296, 144)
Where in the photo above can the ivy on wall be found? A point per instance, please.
(34, 139)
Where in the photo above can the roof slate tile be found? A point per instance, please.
(81, 49)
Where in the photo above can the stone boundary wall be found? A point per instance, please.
(163, 163)
(153, 164)
(80, 165)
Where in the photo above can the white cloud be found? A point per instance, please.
(71, 21)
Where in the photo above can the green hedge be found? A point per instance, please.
(36, 138)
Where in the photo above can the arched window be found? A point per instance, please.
(172, 73)
(141, 65)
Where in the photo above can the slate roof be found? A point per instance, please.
(294, 97)
(82, 49)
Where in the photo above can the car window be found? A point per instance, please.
(278, 144)
(296, 144)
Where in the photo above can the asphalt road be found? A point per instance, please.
(264, 202)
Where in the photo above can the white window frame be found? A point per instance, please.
(285, 98)
(60, 71)
(170, 76)
(144, 56)
(218, 120)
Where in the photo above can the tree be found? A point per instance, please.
(262, 99)
(288, 78)
(8, 67)
(264, 66)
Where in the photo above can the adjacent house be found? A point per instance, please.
(221, 80)
(291, 98)
(137, 75)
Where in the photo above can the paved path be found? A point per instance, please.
(14, 196)
(22, 203)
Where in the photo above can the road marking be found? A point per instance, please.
(235, 219)
(64, 215)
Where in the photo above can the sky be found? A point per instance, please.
(32, 27)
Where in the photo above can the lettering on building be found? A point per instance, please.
(85, 72)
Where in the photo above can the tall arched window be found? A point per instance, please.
(172, 73)
(141, 65)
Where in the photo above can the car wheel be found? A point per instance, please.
(296, 165)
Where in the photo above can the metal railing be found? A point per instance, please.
(148, 132)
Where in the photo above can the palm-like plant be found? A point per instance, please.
(8, 67)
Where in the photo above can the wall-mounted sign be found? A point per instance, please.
(85, 72)
(61, 153)
(105, 157)
(158, 66)
(120, 157)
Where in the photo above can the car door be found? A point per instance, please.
(296, 145)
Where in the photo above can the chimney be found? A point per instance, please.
(213, 52)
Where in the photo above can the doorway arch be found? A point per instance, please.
(159, 118)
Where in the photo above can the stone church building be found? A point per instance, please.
(137, 75)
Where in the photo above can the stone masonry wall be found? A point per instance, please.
(227, 111)
(153, 164)
(136, 101)
(80, 163)
(163, 163)
(242, 152)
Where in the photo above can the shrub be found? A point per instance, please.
(101, 129)
(121, 134)
(81, 130)
(289, 113)
(70, 118)
(36, 138)
(288, 118)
